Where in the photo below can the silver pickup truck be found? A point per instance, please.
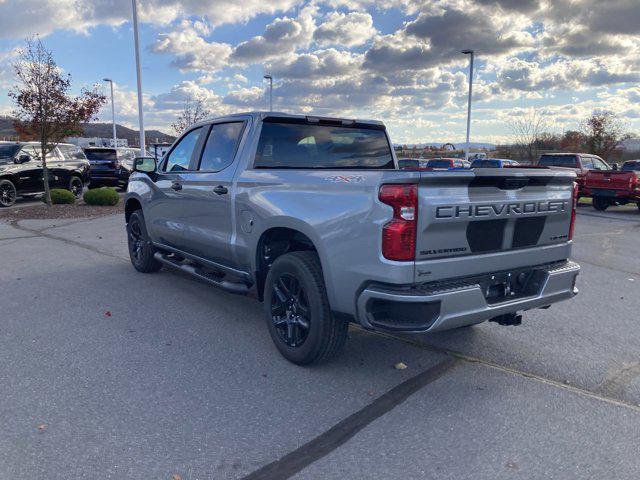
(314, 214)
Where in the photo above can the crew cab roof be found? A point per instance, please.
(262, 115)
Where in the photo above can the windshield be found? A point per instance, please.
(569, 161)
(631, 167)
(101, 154)
(8, 151)
(439, 164)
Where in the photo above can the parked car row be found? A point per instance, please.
(70, 167)
(453, 163)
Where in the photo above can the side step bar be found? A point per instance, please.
(231, 287)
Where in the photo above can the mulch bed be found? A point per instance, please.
(77, 210)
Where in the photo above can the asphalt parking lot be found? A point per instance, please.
(109, 373)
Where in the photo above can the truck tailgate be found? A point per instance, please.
(610, 180)
(479, 213)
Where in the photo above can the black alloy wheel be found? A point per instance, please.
(8, 193)
(136, 240)
(290, 311)
(298, 315)
(76, 187)
(141, 250)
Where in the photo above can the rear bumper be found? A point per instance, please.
(626, 195)
(447, 305)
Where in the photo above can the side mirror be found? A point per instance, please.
(23, 159)
(144, 164)
(614, 166)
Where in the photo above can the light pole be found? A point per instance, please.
(113, 112)
(469, 52)
(139, 76)
(270, 78)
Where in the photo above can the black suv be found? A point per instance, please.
(111, 166)
(21, 170)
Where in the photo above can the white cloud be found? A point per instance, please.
(191, 51)
(345, 29)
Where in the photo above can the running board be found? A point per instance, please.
(231, 287)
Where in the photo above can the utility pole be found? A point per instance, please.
(270, 78)
(139, 77)
(113, 113)
(469, 52)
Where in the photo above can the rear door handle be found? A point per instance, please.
(220, 190)
(176, 186)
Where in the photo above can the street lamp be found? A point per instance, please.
(469, 52)
(270, 78)
(113, 112)
(139, 76)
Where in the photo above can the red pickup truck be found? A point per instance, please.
(580, 163)
(614, 187)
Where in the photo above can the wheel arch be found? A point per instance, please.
(131, 205)
(278, 240)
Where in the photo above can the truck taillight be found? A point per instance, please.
(399, 234)
(574, 206)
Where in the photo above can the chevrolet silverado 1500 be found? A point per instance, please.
(314, 214)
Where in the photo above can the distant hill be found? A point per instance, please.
(96, 130)
(458, 145)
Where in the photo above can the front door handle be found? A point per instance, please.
(220, 190)
(176, 186)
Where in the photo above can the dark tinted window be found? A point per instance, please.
(179, 158)
(486, 164)
(438, 164)
(631, 167)
(8, 150)
(404, 163)
(569, 161)
(291, 145)
(221, 146)
(101, 154)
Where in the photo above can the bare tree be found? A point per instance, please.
(527, 129)
(192, 112)
(604, 133)
(44, 109)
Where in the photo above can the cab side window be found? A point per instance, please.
(179, 158)
(220, 149)
(587, 162)
(599, 164)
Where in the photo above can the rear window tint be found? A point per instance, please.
(570, 161)
(439, 164)
(106, 154)
(631, 167)
(301, 145)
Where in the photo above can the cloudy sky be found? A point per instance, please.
(394, 60)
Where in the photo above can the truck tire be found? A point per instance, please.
(297, 310)
(141, 249)
(600, 204)
(76, 187)
(8, 193)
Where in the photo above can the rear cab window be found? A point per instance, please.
(108, 154)
(551, 160)
(631, 166)
(289, 143)
(439, 164)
